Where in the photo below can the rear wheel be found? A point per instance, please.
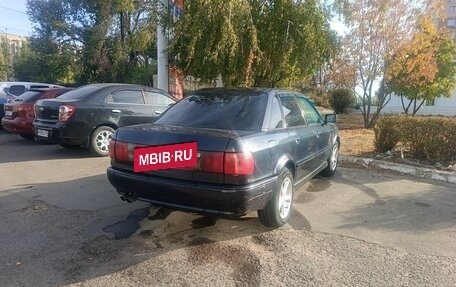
(332, 162)
(278, 210)
(99, 141)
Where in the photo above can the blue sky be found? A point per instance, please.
(13, 18)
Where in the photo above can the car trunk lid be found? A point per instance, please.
(48, 110)
(211, 149)
(15, 109)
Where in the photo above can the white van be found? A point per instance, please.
(10, 90)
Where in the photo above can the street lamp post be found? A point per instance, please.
(162, 54)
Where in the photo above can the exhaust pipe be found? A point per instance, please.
(129, 198)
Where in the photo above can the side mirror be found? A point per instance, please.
(330, 118)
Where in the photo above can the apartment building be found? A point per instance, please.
(450, 17)
(14, 43)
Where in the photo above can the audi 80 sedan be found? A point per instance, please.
(226, 152)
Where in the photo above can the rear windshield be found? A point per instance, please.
(16, 90)
(28, 97)
(80, 93)
(237, 110)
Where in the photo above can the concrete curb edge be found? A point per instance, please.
(421, 172)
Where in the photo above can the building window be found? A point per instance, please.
(453, 9)
(451, 23)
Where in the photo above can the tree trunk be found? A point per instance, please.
(416, 109)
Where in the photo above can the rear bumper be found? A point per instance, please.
(61, 133)
(53, 133)
(204, 198)
(18, 125)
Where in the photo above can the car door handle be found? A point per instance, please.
(116, 111)
(297, 140)
(157, 112)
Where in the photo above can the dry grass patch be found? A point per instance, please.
(356, 142)
(353, 120)
(355, 139)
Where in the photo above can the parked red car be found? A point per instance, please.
(19, 114)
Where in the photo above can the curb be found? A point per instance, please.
(427, 173)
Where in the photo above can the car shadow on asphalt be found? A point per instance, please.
(16, 149)
(76, 230)
(400, 208)
(72, 231)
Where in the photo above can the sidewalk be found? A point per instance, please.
(427, 173)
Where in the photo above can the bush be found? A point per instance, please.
(386, 133)
(340, 100)
(430, 138)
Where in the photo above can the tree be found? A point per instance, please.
(3, 68)
(375, 29)
(94, 40)
(251, 42)
(4, 59)
(423, 68)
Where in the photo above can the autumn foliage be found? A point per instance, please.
(423, 67)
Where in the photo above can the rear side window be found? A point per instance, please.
(276, 115)
(16, 90)
(80, 93)
(126, 97)
(292, 111)
(218, 110)
(30, 96)
(157, 99)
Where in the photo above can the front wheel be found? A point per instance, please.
(278, 210)
(99, 141)
(332, 162)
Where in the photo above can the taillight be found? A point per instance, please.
(211, 162)
(228, 163)
(65, 112)
(118, 150)
(25, 111)
(241, 163)
(112, 149)
(121, 151)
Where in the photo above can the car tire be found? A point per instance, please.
(99, 140)
(332, 162)
(278, 210)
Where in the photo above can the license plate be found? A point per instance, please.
(165, 156)
(43, 133)
(8, 113)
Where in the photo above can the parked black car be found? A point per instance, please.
(87, 116)
(254, 148)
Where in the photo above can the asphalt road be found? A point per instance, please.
(61, 223)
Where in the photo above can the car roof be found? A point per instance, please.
(7, 84)
(120, 85)
(48, 89)
(250, 91)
